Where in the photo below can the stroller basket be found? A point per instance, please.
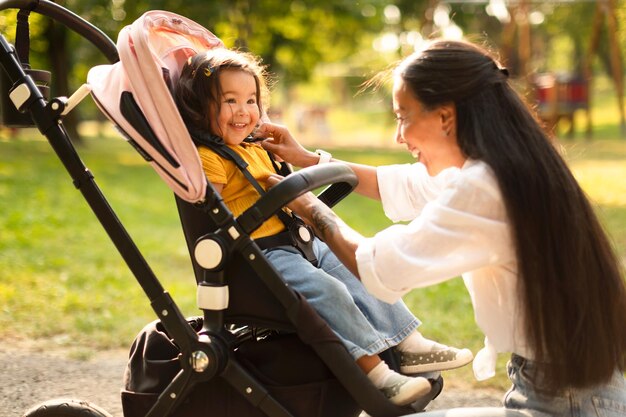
(259, 348)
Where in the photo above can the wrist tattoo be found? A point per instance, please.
(324, 220)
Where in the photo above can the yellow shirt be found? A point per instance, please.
(238, 193)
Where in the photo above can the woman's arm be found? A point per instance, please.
(340, 238)
(281, 143)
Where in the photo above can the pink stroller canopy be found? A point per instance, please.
(152, 52)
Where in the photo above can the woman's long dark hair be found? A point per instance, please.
(570, 280)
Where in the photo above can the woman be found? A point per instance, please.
(489, 199)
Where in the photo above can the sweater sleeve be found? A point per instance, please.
(213, 166)
(406, 189)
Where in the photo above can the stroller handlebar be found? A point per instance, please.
(342, 178)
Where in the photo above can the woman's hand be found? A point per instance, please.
(280, 142)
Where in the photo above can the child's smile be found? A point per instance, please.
(238, 108)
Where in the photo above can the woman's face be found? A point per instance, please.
(429, 135)
(238, 107)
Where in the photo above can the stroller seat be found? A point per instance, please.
(246, 306)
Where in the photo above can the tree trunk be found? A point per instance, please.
(61, 66)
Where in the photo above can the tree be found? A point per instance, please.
(57, 49)
(291, 37)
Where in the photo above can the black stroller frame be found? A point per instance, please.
(205, 353)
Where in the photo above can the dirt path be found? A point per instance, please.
(30, 375)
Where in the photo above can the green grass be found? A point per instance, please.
(60, 276)
(62, 280)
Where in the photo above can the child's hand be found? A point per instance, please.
(301, 205)
(273, 179)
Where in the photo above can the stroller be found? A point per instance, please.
(258, 349)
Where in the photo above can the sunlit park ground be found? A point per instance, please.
(61, 280)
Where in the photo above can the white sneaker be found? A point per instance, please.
(403, 390)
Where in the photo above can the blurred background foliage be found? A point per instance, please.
(321, 51)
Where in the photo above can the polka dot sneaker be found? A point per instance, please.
(439, 358)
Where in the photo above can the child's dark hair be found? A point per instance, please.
(198, 87)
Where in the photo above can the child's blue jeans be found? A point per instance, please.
(366, 325)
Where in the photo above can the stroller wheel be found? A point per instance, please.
(64, 407)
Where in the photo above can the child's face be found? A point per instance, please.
(239, 110)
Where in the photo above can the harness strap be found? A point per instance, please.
(227, 153)
(281, 168)
(22, 37)
(292, 223)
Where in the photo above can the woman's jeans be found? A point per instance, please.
(366, 325)
(524, 399)
(605, 400)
